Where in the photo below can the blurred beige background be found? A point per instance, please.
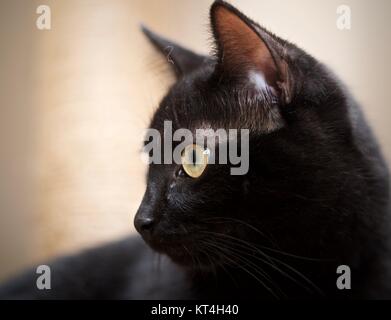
(75, 100)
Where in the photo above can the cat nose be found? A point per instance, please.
(144, 225)
(145, 221)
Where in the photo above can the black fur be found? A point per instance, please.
(316, 195)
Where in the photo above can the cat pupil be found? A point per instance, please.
(194, 157)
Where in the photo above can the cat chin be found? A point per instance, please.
(191, 259)
(194, 263)
(185, 255)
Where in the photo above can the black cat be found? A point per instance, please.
(316, 195)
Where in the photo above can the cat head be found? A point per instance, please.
(299, 145)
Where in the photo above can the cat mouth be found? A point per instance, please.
(180, 252)
(180, 249)
(195, 247)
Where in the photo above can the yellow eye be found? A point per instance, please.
(194, 160)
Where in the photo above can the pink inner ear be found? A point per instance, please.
(243, 50)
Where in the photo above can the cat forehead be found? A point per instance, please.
(199, 101)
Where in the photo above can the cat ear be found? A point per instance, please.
(183, 61)
(248, 53)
